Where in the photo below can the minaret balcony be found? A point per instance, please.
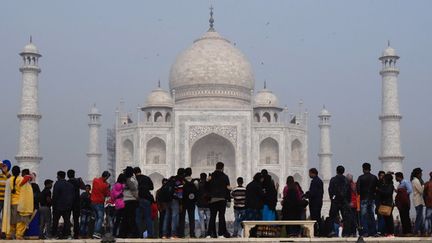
(30, 68)
(389, 70)
(29, 116)
(391, 157)
(27, 157)
(390, 117)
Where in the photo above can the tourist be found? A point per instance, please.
(162, 206)
(291, 206)
(403, 202)
(62, 201)
(366, 188)
(128, 228)
(239, 196)
(270, 197)
(100, 190)
(33, 228)
(26, 210)
(219, 190)
(385, 192)
(418, 187)
(190, 196)
(143, 213)
(117, 196)
(315, 196)
(340, 196)
(428, 203)
(380, 219)
(354, 206)
(165, 198)
(5, 167)
(254, 201)
(78, 185)
(45, 203)
(86, 212)
(203, 205)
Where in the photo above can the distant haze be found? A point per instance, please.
(323, 52)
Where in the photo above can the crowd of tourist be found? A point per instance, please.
(133, 208)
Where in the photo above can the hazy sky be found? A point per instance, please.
(324, 52)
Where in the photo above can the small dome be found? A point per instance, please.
(389, 51)
(30, 48)
(324, 112)
(159, 98)
(94, 110)
(266, 98)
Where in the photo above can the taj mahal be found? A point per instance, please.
(212, 112)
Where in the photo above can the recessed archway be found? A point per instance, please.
(296, 153)
(156, 151)
(127, 153)
(269, 151)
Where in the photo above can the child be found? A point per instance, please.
(86, 211)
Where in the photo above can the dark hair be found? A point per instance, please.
(71, 174)
(240, 180)
(340, 170)
(388, 179)
(25, 172)
(381, 172)
(313, 171)
(128, 172)
(203, 176)
(399, 174)
(121, 178)
(290, 182)
(180, 171)
(137, 170)
(188, 171)
(61, 174)
(264, 172)
(88, 186)
(257, 176)
(416, 173)
(219, 166)
(366, 166)
(15, 172)
(106, 174)
(47, 182)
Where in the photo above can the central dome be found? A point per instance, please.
(211, 73)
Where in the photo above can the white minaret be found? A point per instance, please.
(28, 151)
(325, 156)
(94, 154)
(391, 155)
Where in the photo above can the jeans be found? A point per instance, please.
(419, 221)
(171, 215)
(76, 219)
(253, 214)
(367, 217)
(404, 214)
(99, 217)
(84, 222)
(45, 221)
(217, 208)
(239, 215)
(428, 221)
(144, 212)
(128, 227)
(190, 210)
(345, 212)
(381, 224)
(204, 218)
(65, 214)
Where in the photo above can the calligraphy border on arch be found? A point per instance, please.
(196, 132)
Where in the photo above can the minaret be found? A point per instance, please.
(325, 156)
(28, 152)
(391, 155)
(94, 154)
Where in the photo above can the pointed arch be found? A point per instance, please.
(296, 153)
(168, 117)
(158, 117)
(298, 178)
(127, 152)
(266, 117)
(256, 117)
(269, 151)
(156, 151)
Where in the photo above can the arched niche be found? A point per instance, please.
(156, 151)
(296, 153)
(269, 151)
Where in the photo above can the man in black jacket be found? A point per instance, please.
(78, 185)
(315, 196)
(62, 202)
(143, 211)
(366, 188)
(219, 191)
(254, 198)
(340, 196)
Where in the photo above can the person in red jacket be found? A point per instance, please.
(100, 191)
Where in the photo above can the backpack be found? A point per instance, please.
(190, 191)
(166, 193)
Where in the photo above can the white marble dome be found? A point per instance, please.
(94, 110)
(389, 51)
(212, 72)
(159, 98)
(30, 48)
(266, 98)
(324, 112)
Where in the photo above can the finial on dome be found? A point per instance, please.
(265, 84)
(159, 83)
(388, 43)
(31, 39)
(211, 20)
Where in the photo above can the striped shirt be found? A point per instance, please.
(3, 179)
(239, 196)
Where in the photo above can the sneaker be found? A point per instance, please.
(97, 236)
